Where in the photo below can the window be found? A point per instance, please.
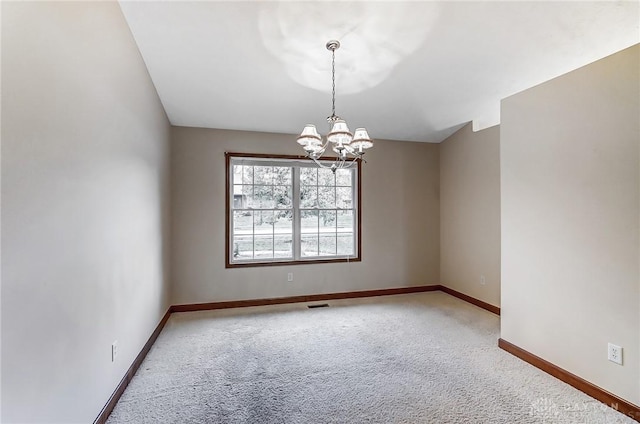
(286, 210)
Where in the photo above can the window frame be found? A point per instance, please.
(229, 156)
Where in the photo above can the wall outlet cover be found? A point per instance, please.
(114, 351)
(614, 353)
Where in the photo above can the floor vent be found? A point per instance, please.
(320, 305)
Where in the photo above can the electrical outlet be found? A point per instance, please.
(482, 280)
(290, 277)
(615, 354)
(114, 351)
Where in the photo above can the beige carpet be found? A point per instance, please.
(420, 358)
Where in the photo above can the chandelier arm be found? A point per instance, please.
(340, 163)
(324, 147)
(351, 162)
(320, 164)
(345, 165)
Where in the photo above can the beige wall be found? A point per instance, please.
(400, 221)
(84, 208)
(470, 213)
(85, 200)
(570, 183)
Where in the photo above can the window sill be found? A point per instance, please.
(288, 263)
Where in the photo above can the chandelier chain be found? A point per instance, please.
(333, 82)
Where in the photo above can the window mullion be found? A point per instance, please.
(318, 212)
(231, 212)
(296, 241)
(253, 213)
(335, 205)
(355, 206)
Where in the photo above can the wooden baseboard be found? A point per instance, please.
(299, 299)
(620, 405)
(484, 305)
(106, 411)
(191, 307)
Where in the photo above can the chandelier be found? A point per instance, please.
(349, 147)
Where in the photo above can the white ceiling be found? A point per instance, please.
(406, 70)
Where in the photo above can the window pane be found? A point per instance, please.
(309, 245)
(308, 196)
(282, 175)
(345, 244)
(343, 177)
(237, 197)
(282, 196)
(326, 197)
(242, 235)
(309, 176)
(237, 174)
(309, 222)
(242, 223)
(242, 196)
(263, 197)
(328, 245)
(264, 246)
(242, 247)
(247, 196)
(326, 177)
(345, 221)
(263, 175)
(344, 197)
(247, 174)
(327, 221)
(263, 234)
(284, 222)
(283, 246)
(263, 222)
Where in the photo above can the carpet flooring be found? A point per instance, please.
(419, 358)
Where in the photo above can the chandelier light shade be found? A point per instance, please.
(348, 146)
(309, 135)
